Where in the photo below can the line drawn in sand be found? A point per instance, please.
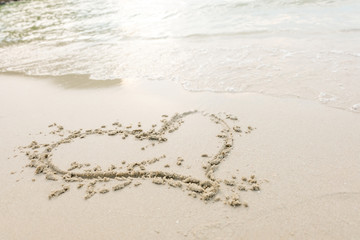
(40, 157)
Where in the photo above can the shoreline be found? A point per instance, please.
(306, 152)
(83, 82)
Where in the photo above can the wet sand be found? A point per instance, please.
(292, 174)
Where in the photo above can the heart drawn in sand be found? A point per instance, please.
(206, 189)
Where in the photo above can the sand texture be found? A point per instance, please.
(40, 158)
(135, 161)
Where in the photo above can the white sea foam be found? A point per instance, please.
(326, 97)
(356, 107)
(281, 47)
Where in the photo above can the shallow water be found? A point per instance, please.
(303, 48)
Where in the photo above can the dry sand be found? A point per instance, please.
(183, 176)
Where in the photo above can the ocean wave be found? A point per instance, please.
(275, 47)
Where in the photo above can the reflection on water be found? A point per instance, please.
(73, 81)
(306, 48)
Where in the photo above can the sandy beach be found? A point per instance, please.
(302, 155)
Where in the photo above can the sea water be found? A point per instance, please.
(299, 48)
